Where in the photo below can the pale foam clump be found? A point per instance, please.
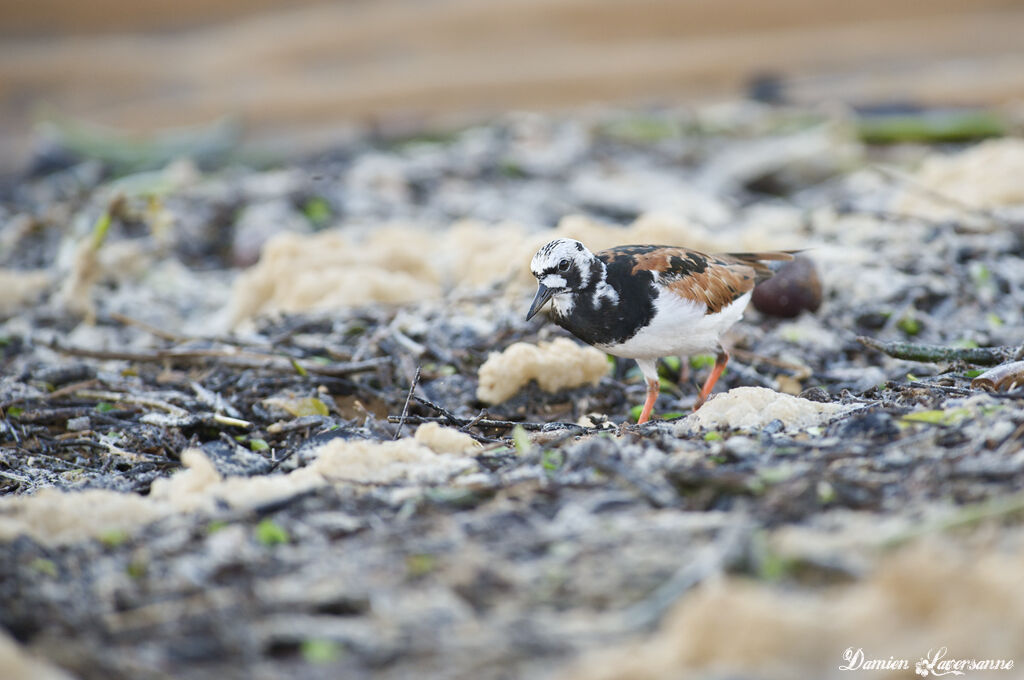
(555, 365)
(22, 288)
(441, 439)
(923, 598)
(330, 271)
(56, 518)
(17, 664)
(400, 264)
(985, 176)
(751, 408)
(389, 462)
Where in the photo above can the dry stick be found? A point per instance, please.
(451, 417)
(476, 419)
(141, 400)
(454, 420)
(229, 357)
(982, 356)
(72, 388)
(408, 398)
(149, 328)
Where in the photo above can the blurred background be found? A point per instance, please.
(296, 74)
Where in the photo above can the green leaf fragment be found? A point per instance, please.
(776, 474)
(105, 407)
(137, 568)
(420, 564)
(673, 364)
(316, 210)
(909, 325)
(521, 440)
(642, 129)
(298, 367)
(935, 126)
(270, 533)
(826, 493)
(114, 537)
(699, 361)
(100, 228)
(215, 526)
(713, 437)
(938, 417)
(320, 651)
(300, 406)
(511, 169)
(552, 460)
(44, 566)
(257, 445)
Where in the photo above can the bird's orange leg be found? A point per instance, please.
(652, 396)
(720, 361)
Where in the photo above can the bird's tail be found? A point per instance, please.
(757, 261)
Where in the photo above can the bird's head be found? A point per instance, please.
(562, 267)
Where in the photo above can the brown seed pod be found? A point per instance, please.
(794, 288)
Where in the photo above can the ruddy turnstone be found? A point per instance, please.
(647, 302)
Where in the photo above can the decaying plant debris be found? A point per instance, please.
(213, 468)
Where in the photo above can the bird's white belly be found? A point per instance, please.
(680, 327)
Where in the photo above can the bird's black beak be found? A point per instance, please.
(543, 295)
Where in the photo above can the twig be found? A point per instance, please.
(408, 398)
(16, 477)
(72, 388)
(476, 419)
(982, 356)
(104, 395)
(228, 357)
(482, 422)
(152, 330)
(442, 410)
(230, 422)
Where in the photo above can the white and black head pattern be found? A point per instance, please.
(563, 264)
(568, 274)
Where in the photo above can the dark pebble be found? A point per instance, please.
(819, 394)
(794, 288)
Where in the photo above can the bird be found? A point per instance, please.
(645, 302)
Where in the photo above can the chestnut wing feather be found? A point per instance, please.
(715, 280)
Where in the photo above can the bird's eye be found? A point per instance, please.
(563, 266)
